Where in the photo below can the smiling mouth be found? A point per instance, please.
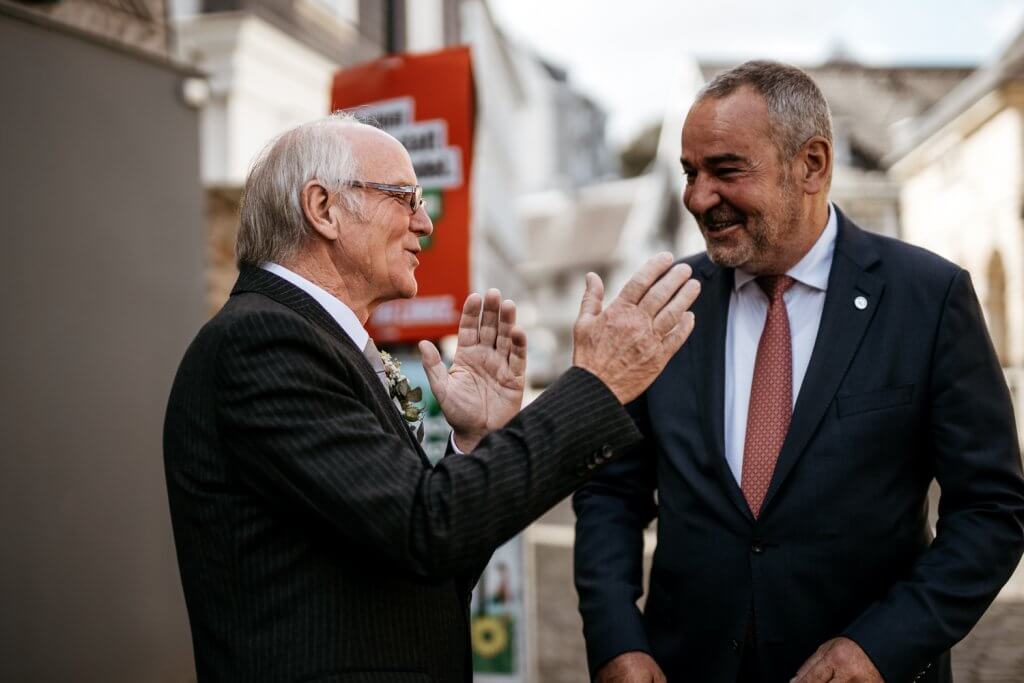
(719, 229)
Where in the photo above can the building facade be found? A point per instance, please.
(961, 172)
(102, 228)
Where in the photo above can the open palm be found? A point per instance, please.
(483, 389)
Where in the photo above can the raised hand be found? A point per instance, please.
(483, 389)
(628, 343)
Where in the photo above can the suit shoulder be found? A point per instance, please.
(253, 309)
(249, 318)
(913, 263)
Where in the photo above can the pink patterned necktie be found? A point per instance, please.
(771, 395)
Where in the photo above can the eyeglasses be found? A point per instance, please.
(411, 195)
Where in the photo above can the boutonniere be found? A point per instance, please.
(400, 389)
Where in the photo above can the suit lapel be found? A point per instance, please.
(387, 404)
(280, 290)
(712, 322)
(840, 333)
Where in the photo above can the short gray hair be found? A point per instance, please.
(796, 108)
(272, 225)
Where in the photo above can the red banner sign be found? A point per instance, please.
(426, 102)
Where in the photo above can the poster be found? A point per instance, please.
(497, 618)
(426, 102)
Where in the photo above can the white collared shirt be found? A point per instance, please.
(337, 309)
(748, 308)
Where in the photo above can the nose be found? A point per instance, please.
(701, 195)
(420, 222)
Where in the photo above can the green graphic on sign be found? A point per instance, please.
(494, 644)
(433, 202)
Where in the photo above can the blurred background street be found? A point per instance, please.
(128, 127)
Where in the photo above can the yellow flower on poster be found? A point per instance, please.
(490, 636)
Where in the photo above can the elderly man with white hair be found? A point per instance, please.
(316, 541)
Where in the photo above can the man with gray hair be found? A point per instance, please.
(316, 542)
(789, 447)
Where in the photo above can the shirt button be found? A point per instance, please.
(757, 548)
(735, 646)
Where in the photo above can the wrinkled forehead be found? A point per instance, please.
(380, 157)
(735, 124)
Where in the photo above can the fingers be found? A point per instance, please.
(664, 289)
(631, 667)
(638, 285)
(672, 312)
(517, 352)
(469, 323)
(506, 321)
(437, 373)
(593, 296)
(814, 666)
(678, 335)
(489, 320)
(820, 672)
(839, 659)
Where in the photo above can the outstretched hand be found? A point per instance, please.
(627, 343)
(483, 389)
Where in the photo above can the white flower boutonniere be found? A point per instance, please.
(406, 395)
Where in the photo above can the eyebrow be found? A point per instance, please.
(727, 158)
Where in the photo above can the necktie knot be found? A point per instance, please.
(775, 285)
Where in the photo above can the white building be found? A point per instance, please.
(961, 170)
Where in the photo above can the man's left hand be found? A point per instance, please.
(840, 660)
(483, 389)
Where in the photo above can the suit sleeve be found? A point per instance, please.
(612, 511)
(303, 438)
(980, 532)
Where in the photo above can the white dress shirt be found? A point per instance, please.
(341, 313)
(748, 308)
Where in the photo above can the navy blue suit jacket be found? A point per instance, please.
(904, 392)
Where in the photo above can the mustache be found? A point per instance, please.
(721, 215)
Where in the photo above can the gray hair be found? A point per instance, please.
(796, 108)
(272, 225)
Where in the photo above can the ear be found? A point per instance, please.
(815, 165)
(315, 202)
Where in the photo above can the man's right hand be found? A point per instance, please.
(631, 667)
(627, 344)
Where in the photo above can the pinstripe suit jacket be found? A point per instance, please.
(315, 541)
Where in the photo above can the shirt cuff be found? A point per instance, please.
(455, 449)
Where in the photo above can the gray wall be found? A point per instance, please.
(102, 286)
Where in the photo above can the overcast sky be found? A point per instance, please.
(621, 52)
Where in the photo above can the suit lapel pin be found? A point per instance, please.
(861, 303)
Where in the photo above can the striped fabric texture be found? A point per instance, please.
(315, 541)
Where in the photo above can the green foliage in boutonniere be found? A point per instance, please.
(406, 395)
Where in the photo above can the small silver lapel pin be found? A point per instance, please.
(861, 303)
